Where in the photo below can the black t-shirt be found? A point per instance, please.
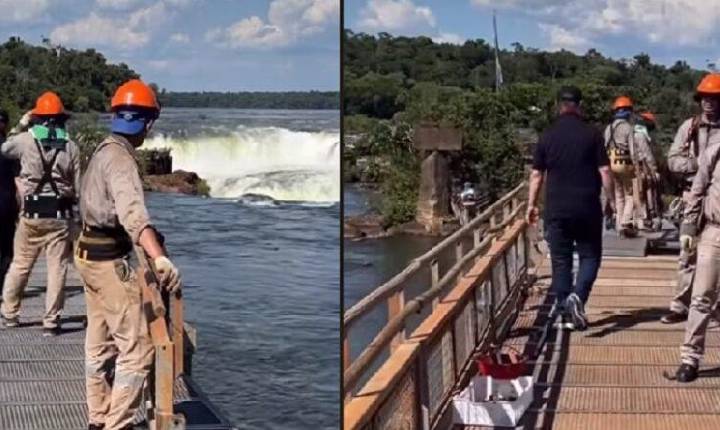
(8, 170)
(570, 151)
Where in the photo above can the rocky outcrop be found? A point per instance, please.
(179, 181)
(372, 227)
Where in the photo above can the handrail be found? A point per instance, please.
(353, 373)
(406, 392)
(389, 287)
(393, 332)
(167, 335)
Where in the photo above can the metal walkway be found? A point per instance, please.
(611, 376)
(42, 380)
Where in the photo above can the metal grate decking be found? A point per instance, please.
(610, 376)
(42, 380)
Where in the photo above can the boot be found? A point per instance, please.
(686, 373)
(673, 318)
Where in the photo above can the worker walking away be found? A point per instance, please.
(701, 216)
(647, 182)
(8, 203)
(115, 220)
(468, 203)
(692, 138)
(621, 148)
(571, 155)
(49, 180)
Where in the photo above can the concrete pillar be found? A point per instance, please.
(434, 196)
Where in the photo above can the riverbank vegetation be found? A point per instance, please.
(393, 83)
(86, 81)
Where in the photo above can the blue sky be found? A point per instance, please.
(186, 45)
(667, 30)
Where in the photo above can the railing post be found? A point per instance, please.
(423, 389)
(493, 224)
(178, 333)
(164, 381)
(346, 350)
(459, 256)
(434, 280)
(396, 303)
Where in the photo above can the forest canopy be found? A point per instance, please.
(84, 79)
(382, 72)
(395, 82)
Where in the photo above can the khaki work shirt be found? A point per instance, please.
(683, 155)
(643, 150)
(704, 193)
(112, 192)
(65, 171)
(626, 136)
(622, 131)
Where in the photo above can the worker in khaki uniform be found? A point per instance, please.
(621, 146)
(702, 215)
(115, 220)
(692, 138)
(648, 178)
(49, 180)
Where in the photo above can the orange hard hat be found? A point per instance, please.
(710, 84)
(649, 116)
(622, 102)
(135, 93)
(48, 104)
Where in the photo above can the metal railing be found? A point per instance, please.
(167, 332)
(409, 388)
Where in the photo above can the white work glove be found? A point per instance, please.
(169, 274)
(687, 242)
(24, 122)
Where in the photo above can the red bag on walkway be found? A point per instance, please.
(501, 365)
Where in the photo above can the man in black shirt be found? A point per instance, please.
(571, 157)
(8, 204)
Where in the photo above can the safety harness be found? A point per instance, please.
(43, 205)
(103, 243)
(621, 156)
(692, 144)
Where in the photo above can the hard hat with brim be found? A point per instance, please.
(623, 102)
(709, 86)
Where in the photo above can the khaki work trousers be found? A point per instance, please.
(685, 275)
(645, 200)
(117, 332)
(31, 237)
(704, 295)
(684, 287)
(624, 201)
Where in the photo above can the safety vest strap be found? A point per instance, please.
(47, 170)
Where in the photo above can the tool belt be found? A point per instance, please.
(103, 243)
(53, 207)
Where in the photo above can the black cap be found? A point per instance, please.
(4, 116)
(570, 93)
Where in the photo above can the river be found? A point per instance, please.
(262, 274)
(369, 263)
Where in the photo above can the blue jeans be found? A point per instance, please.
(564, 236)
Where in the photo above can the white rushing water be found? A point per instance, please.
(275, 162)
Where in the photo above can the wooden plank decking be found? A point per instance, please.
(610, 376)
(42, 380)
